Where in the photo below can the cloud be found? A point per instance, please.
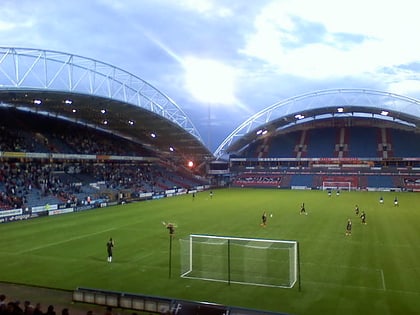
(206, 7)
(307, 40)
(265, 50)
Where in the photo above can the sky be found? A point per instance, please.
(222, 61)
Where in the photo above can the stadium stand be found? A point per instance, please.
(321, 142)
(375, 157)
(302, 180)
(362, 142)
(405, 144)
(37, 182)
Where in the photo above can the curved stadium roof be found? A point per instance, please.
(384, 107)
(96, 94)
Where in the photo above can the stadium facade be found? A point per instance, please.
(92, 93)
(357, 138)
(341, 138)
(77, 134)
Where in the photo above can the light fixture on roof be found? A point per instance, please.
(105, 122)
(103, 111)
(299, 116)
(153, 135)
(384, 113)
(171, 149)
(74, 110)
(37, 102)
(68, 102)
(340, 109)
(262, 132)
(130, 122)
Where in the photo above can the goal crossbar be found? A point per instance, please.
(343, 185)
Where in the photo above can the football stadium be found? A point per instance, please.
(108, 193)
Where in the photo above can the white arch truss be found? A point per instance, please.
(25, 68)
(324, 104)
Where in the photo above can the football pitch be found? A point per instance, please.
(376, 270)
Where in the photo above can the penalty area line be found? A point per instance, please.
(383, 279)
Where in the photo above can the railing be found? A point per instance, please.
(157, 305)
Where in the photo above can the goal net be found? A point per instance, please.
(251, 261)
(328, 185)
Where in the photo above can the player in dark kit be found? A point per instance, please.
(264, 219)
(302, 209)
(363, 217)
(356, 209)
(109, 246)
(348, 227)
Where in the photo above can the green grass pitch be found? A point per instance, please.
(376, 270)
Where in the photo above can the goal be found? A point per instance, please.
(328, 185)
(263, 262)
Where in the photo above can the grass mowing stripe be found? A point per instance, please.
(62, 242)
(383, 255)
(357, 287)
(333, 273)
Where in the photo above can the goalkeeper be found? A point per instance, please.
(109, 246)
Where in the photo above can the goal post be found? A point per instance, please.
(253, 261)
(332, 185)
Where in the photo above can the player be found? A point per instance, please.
(211, 194)
(381, 200)
(329, 192)
(348, 227)
(109, 246)
(338, 192)
(356, 209)
(264, 219)
(302, 209)
(396, 202)
(363, 217)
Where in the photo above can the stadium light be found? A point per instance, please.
(384, 113)
(153, 135)
(340, 109)
(103, 111)
(262, 132)
(190, 164)
(171, 149)
(68, 102)
(37, 102)
(299, 116)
